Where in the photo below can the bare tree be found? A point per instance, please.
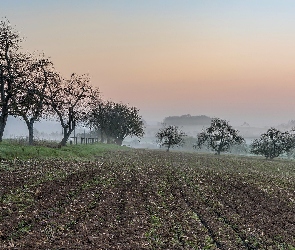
(170, 136)
(219, 137)
(70, 101)
(11, 62)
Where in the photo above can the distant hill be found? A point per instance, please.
(187, 120)
(245, 124)
(287, 126)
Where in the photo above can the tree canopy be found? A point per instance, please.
(70, 100)
(170, 136)
(219, 137)
(29, 99)
(273, 143)
(116, 121)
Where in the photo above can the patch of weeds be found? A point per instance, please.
(153, 235)
(179, 235)
(94, 202)
(162, 189)
(105, 182)
(155, 220)
(51, 176)
(23, 227)
(5, 167)
(70, 224)
(91, 183)
(154, 238)
(22, 198)
(285, 246)
(72, 194)
(209, 243)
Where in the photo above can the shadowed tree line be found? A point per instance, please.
(32, 89)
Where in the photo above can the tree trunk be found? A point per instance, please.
(30, 125)
(168, 148)
(219, 148)
(119, 141)
(3, 120)
(67, 134)
(101, 136)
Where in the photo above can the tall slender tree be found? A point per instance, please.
(11, 69)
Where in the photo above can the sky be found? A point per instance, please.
(229, 59)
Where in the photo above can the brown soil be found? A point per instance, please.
(148, 200)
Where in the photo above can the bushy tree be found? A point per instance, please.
(290, 142)
(124, 121)
(273, 143)
(170, 136)
(117, 121)
(219, 137)
(98, 118)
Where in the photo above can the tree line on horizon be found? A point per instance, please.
(32, 89)
(220, 137)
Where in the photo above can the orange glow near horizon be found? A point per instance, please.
(234, 61)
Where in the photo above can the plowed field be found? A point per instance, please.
(148, 200)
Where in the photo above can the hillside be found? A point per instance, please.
(141, 199)
(188, 120)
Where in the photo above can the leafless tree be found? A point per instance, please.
(70, 101)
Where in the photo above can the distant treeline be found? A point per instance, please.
(187, 120)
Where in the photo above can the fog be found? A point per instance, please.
(51, 130)
(248, 131)
(43, 130)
